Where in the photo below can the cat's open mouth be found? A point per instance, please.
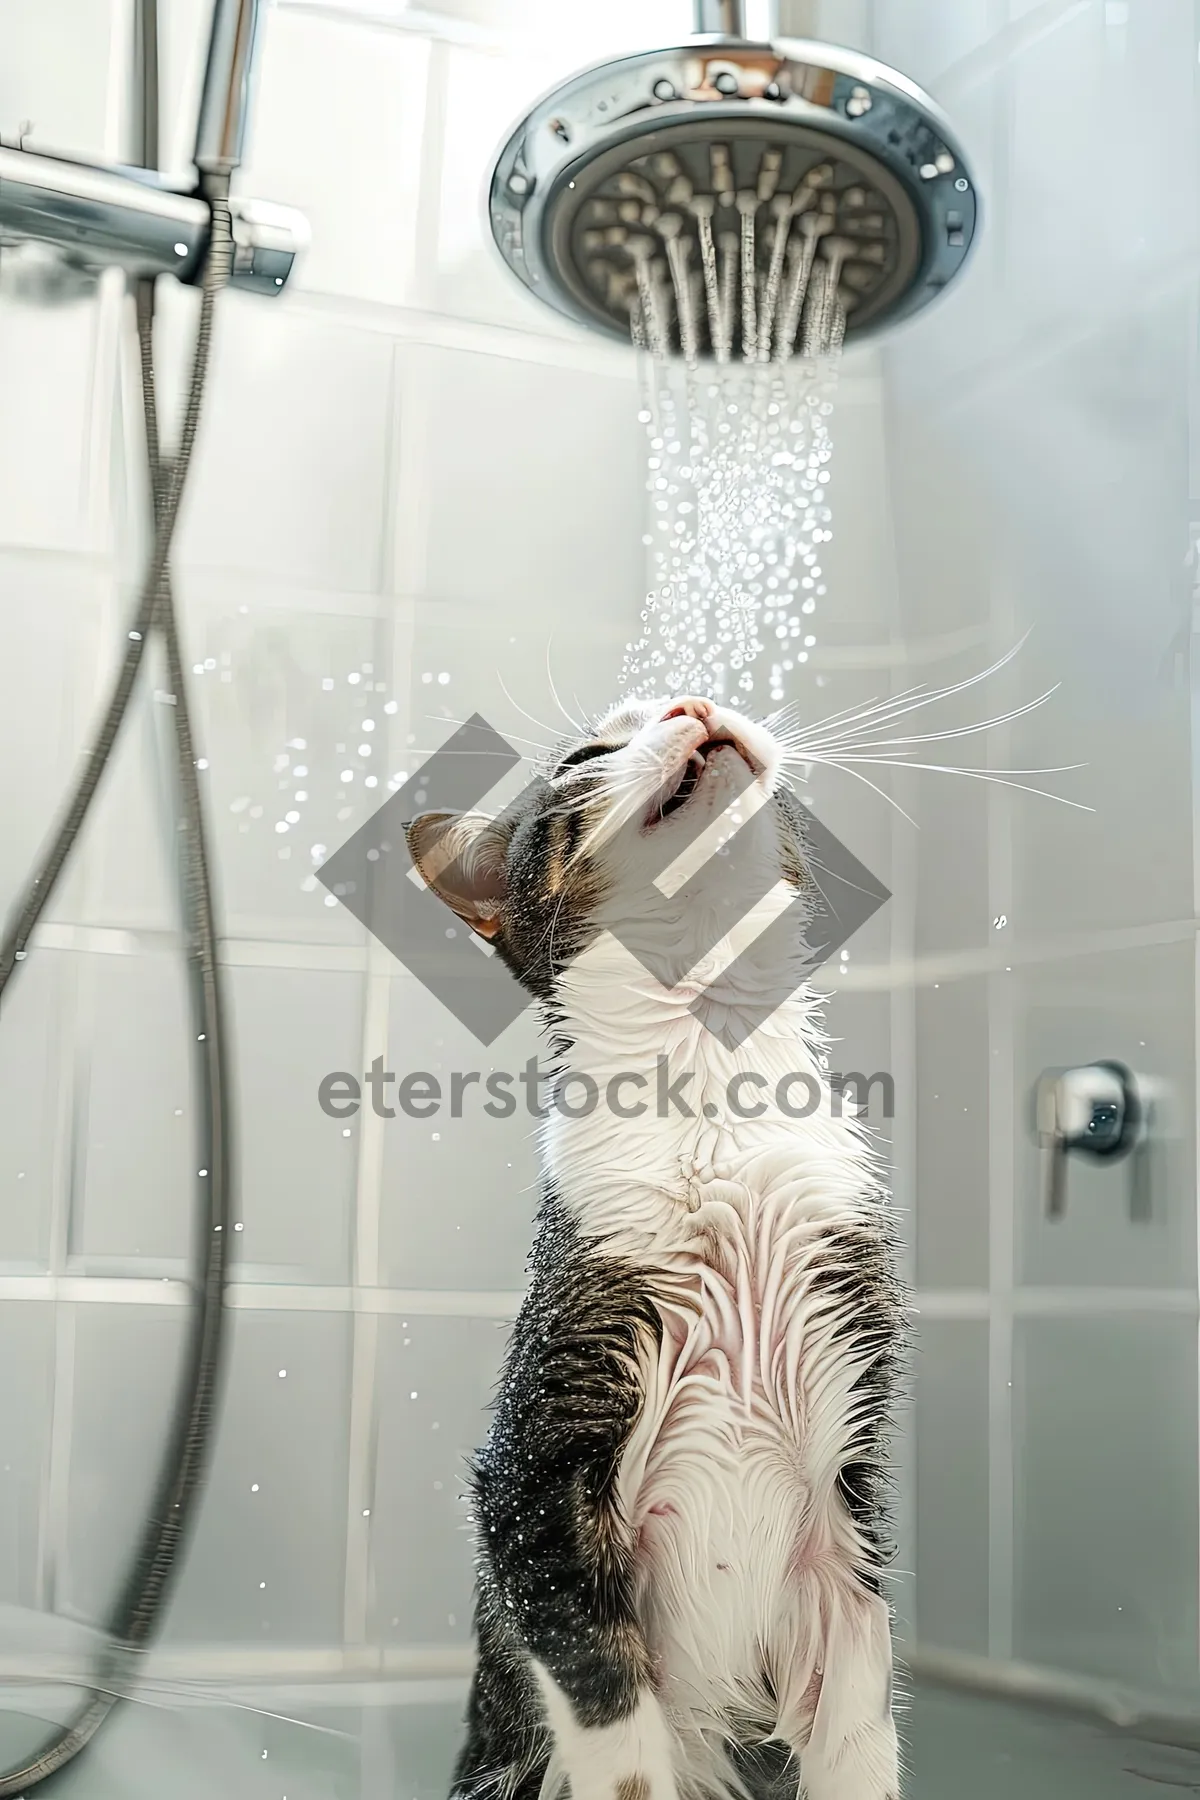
(692, 773)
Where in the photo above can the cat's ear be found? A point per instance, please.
(461, 856)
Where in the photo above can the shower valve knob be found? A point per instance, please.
(1095, 1110)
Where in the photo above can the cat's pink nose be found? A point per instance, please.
(689, 708)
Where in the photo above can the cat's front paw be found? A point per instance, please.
(631, 1759)
(601, 1784)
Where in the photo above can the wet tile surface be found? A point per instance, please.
(958, 1748)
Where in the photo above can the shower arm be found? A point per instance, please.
(91, 216)
(720, 18)
(730, 19)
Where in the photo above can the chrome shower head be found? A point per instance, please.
(735, 200)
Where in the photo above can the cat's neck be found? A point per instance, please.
(657, 1110)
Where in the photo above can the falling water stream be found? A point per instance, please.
(739, 441)
(738, 471)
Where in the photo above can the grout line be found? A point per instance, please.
(226, 1666)
(54, 1543)
(96, 1290)
(215, 588)
(1059, 1302)
(1193, 379)
(364, 1422)
(403, 548)
(263, 951)
(902, 1041)
(427, 226)
(430, 1303)
(1196, 1102)
(576, 349)
(963, 965)
(362, 1436)
(373, 1695)
(117, 104)
(379, 1777)
(387, 512)
(49, 1694)
(410, 325)
(503, 1304)
(410, 486)
(1002, 1134)
(65, 1176)
(368, 1191)
(1194, 447)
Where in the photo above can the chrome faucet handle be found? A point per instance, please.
(1141, 1204)
(1094, 1110)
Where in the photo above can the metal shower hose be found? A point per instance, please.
(139, 1607)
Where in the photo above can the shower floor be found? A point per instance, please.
(957, 1746)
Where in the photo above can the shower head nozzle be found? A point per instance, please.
(735, 200)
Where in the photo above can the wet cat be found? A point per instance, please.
(678, 1507)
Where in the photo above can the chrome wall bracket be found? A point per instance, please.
(63, 221)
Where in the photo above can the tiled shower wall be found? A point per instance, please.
(1041, 480)
(415, 496)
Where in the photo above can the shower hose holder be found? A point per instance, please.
(86, 218)
(64, 221)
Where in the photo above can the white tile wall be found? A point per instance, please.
(291, 481)
(33, 1057)
(405, 468)
(431, 1374)
(340, 132)
(55, 606)
(46, 367)
(540, 465)
(1040, 425)
(378, 493)
(70, 103)
(133, 1109)
(268, 1561)
(27, 1343)
(121, 1363)
(458, 1194)
(292, 1027)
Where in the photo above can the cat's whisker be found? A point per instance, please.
(863, 740)
(152, 1691)
(573, 723)
(605, 826)
(554, 918)
(782, 713)
(902, 762)
(999, 777)
(915, 698)
(542, 749)
(882, 792)
(554, 734)
(866, 710)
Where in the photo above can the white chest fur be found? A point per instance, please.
(746, 1229)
